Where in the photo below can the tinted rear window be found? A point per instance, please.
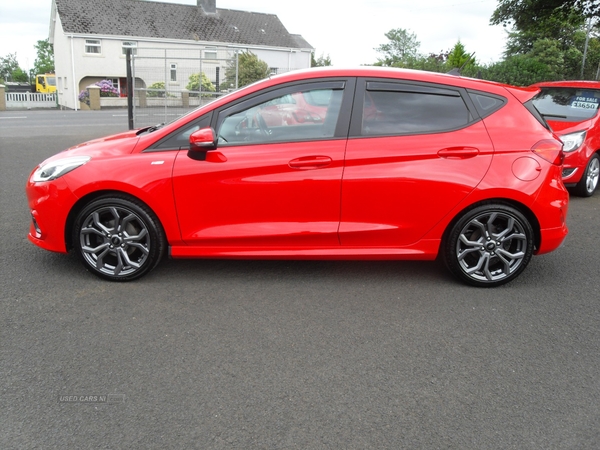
(396, 112)
(567, 104)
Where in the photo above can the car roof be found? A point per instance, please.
(376, 71)
(521, 93)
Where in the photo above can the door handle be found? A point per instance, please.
(458, 152)
(310, 162)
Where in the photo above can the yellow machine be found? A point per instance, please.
(45, 83)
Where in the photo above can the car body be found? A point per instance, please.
(402, 165)
(571, 109)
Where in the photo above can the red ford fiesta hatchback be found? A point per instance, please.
(366, 163)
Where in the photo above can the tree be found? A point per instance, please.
(549, 52)
(44, 62)
(521, 41)
(518, 70)
(9, 68)
(321, 61)
(574, 56)
(195, 85)
(525, 14)
(434, 62)
(402, 46)
(458, 57)
(250, 69)
(20, 75)
(552, 33)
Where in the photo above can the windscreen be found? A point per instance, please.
(567, 104)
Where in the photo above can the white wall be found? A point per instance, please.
(73, 65)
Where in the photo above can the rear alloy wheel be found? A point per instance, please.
(118, 239)
(489, 246)
(589, 181)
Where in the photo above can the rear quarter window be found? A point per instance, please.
(485, 103)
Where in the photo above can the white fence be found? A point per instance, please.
(29, 100)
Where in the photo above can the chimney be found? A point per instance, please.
(208, 6)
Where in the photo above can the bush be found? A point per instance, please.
(195, 87)
(106, 90)
(158, 93)
(251, 69)
(84, 97)
(518, 70)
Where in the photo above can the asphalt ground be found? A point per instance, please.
(214, 354)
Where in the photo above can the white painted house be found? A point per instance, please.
(90, 38)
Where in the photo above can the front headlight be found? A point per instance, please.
(572, 141)
(57, 168)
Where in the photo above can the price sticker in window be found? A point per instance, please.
(585, 103)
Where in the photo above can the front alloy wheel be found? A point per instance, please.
(589, 181)
(118, 239)
(489, 246)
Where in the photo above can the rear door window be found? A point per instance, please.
(391, 108)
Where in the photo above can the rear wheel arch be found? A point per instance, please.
(523, 209)
(489, 244)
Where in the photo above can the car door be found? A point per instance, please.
(415, 151)
(271, 182)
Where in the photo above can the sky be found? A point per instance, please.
(347, 31)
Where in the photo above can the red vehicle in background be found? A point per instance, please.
(571, 109)
(296, 108)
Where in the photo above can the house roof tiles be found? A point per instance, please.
(137, 18)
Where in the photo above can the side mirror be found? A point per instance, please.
(202, 141)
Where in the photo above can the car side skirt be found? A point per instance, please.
(423, 250)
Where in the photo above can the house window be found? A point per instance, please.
(210, 53)
(115, 82)
(93, 46)
(129, 44)
(173, 72)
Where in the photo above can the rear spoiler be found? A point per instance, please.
(524, 95)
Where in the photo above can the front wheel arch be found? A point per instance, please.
(116, 236)
(589, 178)
(85, 200)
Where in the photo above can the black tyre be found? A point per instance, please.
(589, 181)
(118, 238)
(489, 245)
